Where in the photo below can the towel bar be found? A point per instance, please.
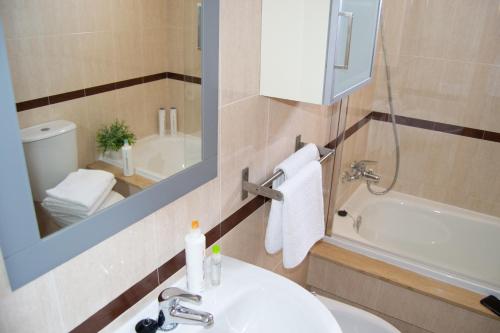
(265, 189)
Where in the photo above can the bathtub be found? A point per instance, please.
(158, 157)
(447, 243)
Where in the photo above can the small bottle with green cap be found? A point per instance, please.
(215, 263)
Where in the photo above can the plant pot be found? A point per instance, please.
(113, 155)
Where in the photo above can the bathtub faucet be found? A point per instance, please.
(359, 171)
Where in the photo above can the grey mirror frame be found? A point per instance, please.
(26, 255)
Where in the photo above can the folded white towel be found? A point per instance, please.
(293, 164)
(56, 206)
(83, 188)
(302, 213)
(65, 219)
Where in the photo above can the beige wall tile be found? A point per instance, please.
(488, 51)
(27, 62)
(155, 48)
(129, 108)
(64, 58)
(472, 25)
(175, 12)
(192, 54)
(99, 65)
(33, 305)
(21, 19)
(239, 49)
(422, 20)
(192, 116)
(174, 221)
(246, 241)
(154, 14)
(243, 144)
(128, 54)
(89, 281)
(34, 117)
(127, 15)
(289, 119)
(175, 50)
(95, 15)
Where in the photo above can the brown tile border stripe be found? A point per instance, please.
(439, 127)
(185, 78)
(32, 104)
(419, 123)
(67, 96)
(112, 310)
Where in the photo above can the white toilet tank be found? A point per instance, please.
(51, 154)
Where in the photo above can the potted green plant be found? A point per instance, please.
(110, 138)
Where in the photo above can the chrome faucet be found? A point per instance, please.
(173, 314)
(359, 171)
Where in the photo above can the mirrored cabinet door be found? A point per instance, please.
(354, 49)
(317, 51)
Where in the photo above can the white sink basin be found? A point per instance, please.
(251, 299)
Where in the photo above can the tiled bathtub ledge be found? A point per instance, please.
(401, 277)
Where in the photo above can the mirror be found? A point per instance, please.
(85, 65)
(108, 99)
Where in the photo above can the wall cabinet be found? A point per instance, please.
(317, 51)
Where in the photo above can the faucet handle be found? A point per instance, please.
(174, 294)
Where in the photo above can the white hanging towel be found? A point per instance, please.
(302, 213)
(290, 167)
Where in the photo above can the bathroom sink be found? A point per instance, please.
(251, 299)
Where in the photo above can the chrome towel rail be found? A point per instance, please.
(265, 189)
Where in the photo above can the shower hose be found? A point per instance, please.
(393, 119)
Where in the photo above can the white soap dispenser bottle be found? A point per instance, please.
(127, 159)
(195, 255)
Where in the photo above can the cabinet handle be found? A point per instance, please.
(200, 15)
(349, 16)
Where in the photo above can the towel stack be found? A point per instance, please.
(80, 195)
(297, 222)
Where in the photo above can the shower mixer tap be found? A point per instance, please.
(359, 171)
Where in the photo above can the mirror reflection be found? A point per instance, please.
(108, 97)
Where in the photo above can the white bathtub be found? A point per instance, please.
(444, 242)
(158, 157)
